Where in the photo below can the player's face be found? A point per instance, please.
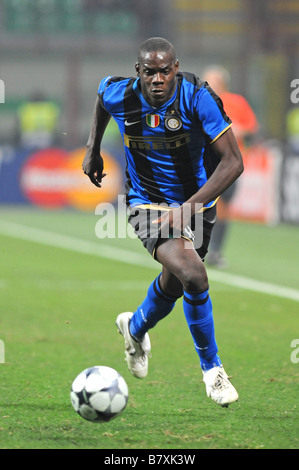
(157, 72)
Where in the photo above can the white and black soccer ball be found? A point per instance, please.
(99, 394)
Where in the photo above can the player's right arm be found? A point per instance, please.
(93, 164)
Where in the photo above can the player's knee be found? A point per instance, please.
(195, 280)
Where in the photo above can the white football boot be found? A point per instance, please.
(137, 353)
(218, 386)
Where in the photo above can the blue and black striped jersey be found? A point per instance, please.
(168, 149)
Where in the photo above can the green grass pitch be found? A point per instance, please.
(58, 308)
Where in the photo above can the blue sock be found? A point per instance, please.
(155, 306)
(199, 315)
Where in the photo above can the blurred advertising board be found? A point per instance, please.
(290, 190)
(53, 178)
(257, 197)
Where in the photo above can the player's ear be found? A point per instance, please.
(177, 66)
(137, 68)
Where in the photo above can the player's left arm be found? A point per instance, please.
(228, 170)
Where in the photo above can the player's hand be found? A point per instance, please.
(93, 168)
(174, 220)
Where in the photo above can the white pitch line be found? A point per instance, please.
(45, 237)
(253, 285)
(67, 242)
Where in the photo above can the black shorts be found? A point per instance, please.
(198, 231)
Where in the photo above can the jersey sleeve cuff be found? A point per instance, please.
(221, 133)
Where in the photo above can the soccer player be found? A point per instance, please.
(181, 155)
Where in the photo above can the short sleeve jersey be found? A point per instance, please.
(168, 149)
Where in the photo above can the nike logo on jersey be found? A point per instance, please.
(130, 123)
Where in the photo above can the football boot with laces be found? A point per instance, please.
(219, 387)
(136, 352)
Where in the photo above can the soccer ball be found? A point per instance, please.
(99, 394)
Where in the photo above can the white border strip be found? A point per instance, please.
(129, 257)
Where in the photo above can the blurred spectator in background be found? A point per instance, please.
(37, 122)
(244, 125)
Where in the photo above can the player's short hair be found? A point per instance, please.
(155, 44)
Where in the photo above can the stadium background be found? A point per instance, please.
(61, 287)
(60, 50)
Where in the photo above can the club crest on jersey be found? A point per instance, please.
(173, 123)
(152, 120)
